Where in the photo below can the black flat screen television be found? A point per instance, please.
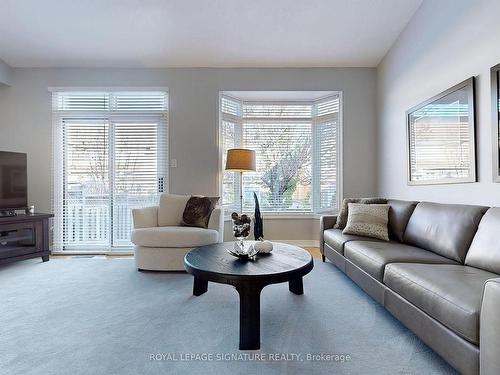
(13, 181)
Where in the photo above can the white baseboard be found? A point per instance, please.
(301, 243)
(93, 252)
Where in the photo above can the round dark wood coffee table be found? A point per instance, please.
(286, 263)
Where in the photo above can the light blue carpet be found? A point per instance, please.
(97, 316)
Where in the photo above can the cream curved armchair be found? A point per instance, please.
(160, 242)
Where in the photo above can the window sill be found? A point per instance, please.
(286, 216)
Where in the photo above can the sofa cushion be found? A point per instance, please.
(399, 214)
(174, 236)
(336, 239)
(171, 209)
(446, 229)
(484, 252)
(372, 257)
(449, 293)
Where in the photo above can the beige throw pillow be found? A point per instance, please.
(344, 209)
(368, 220)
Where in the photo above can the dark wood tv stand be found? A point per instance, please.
(24, 236)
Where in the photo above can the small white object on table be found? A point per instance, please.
(263, 246)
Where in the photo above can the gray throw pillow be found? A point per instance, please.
(198, 210)
(369, 220)
(344, 209)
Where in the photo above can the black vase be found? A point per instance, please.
(258, 226)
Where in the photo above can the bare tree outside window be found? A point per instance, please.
(286, 170)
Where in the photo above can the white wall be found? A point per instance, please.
(6, 73)
(25, 123)
(446, 42)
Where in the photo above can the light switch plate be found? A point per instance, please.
(173, 163)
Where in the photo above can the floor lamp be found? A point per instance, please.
(240, 160)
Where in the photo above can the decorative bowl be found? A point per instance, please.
(242, 250)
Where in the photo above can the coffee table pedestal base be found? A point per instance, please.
(286, 264)
(199, 286)
(249, 308)
(249, 316)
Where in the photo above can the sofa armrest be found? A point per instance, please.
(146, 217)
(326, 222)
(489, 334)
(216, 222)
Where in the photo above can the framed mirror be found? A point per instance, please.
(441, 138)
(495, 108)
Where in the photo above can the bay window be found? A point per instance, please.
(297, 143)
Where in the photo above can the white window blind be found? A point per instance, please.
(110, 155)
(326, 151)
(230, 132)
(272, 111)
(231, 107)
(297, 150)
(85, 201)
(230, 183)
(136, 101)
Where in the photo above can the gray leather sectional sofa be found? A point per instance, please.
(439, 275)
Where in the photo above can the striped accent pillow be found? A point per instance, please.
(368, 220)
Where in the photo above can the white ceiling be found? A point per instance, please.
(200, 33)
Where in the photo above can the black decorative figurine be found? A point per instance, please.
(258, 226)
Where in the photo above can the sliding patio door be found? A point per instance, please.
(104, 166)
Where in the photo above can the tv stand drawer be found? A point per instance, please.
(24, 236)
(12, 251)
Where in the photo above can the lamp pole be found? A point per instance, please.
(240, 160)
(241, 191)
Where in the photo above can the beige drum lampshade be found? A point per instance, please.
(240, 159)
